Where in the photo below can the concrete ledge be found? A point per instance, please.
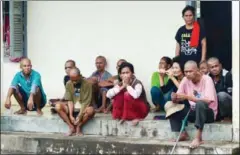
(104, 125)
(40, 143)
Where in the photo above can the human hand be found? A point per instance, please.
(125, 81)
(174, 97)
(182, 97)
(30, 104)
(162, 72)
(72, 119)
(8, 103)
(169, 73)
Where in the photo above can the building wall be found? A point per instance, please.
(235, 68)
(140, 32)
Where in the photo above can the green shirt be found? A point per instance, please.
(155, 82)
(81, 91)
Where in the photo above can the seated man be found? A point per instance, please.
(223, 85)
(199, 93)
(110, 82)
(98, 76)
(69, 112)
(69, 64)
(27, 88)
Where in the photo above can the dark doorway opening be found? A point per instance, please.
(217, 18)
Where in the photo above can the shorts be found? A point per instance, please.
(25, 97)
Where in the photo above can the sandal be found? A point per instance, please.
(20, 112)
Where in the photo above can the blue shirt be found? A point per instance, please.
(106, 75)
(28, 85)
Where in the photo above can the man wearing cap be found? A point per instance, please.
(197, 93)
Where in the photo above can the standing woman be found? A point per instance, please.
(191, 38)
(129, 96)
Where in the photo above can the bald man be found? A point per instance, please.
(79, 109)
(26, 87)
(198, 93)
(223, 84)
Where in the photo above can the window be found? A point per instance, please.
(14, 30)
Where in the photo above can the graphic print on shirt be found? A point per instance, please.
(77, 90)
(185, 45)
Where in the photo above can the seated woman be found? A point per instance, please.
(175, 74)
(159, 80)
(129, 97)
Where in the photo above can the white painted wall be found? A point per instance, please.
(235, 68)
(141, 32)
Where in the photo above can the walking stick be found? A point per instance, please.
(184, 121)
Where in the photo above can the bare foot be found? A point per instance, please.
(183, 137)
(21, 112)
(79, 133)
(108, 109)
(121, 121)
(39, 112)
(227, 120)
(195, 143)
(99, 110)
(135, 122)
(71, 132)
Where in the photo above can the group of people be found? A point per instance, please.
(187, 83)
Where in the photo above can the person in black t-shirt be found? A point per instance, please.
(183, 37)
(69, 64)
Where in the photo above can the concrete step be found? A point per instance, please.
(102, 124)
(42, 143)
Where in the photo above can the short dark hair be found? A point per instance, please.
(101, 57)
(167, 60)
(72, 61)
(126, 64)
(188, 8)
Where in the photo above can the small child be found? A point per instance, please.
(204, 67)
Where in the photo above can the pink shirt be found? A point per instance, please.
(205, 88)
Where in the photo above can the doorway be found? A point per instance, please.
(217, 21)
